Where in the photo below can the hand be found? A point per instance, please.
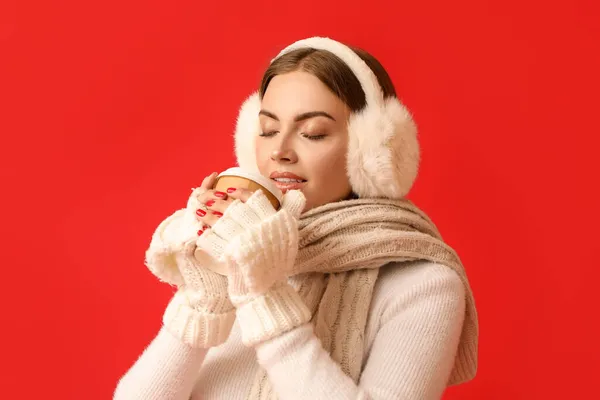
(206, 290)
(210, 204)
(207, 203)
(264, 253)
(179, 228)
(259, 261)
(200, 314)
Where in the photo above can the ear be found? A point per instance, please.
(246, 131)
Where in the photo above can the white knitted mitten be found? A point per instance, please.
(259, 261)
(170, 237)
(200, 313)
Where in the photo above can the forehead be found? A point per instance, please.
(297, 92)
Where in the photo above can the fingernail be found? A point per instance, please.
(220, 194)
(231, 190)
(200, 213)
(210, 203)
(218, 214)
(200, 232)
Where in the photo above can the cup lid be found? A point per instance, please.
(256, 177)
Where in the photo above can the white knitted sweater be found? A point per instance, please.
(411, 338)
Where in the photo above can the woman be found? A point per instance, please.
(347, 291)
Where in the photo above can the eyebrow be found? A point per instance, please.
(299, 117)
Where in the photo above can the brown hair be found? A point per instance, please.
(332, 71)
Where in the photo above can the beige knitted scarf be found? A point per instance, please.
(342, 245)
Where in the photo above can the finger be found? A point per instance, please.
(208, 217)
(207, 184)
(208, 195)
(209, 181)
(240, 194)
(202, 227)
(218, 205)
(220, 195)
(203, 200)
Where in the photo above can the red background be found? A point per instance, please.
(112, 111)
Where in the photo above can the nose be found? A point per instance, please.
(284, 154)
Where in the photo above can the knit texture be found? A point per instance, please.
(341, 247)
(263, 255)
(411, 338)
(167, 240)
(350, 240)
(238, 217)
(192, 325)
(277, 311)
(258, 263)
(200, 314)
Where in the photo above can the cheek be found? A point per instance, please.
(336, 160)
(331, 181)
(331, 165)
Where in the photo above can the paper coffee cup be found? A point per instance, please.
(240, 179)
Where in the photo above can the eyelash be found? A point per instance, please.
(309, 137)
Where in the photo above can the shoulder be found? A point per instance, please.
(417, 290)
(396, 278)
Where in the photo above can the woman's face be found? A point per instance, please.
(304, 132)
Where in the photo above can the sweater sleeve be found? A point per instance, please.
(166, 370)
(169, 367)
(411, 357)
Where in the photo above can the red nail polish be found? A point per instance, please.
(231, 190)
(200, 213)
(200, 232)
(210, 203)
(218, 214)
(220, 194)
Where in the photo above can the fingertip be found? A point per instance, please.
(208, 181)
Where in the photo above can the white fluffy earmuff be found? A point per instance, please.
(383, 149)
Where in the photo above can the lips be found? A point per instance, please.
(287, 175)
(285, 186)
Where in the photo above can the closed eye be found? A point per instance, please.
(314, 137)
(309, 137)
